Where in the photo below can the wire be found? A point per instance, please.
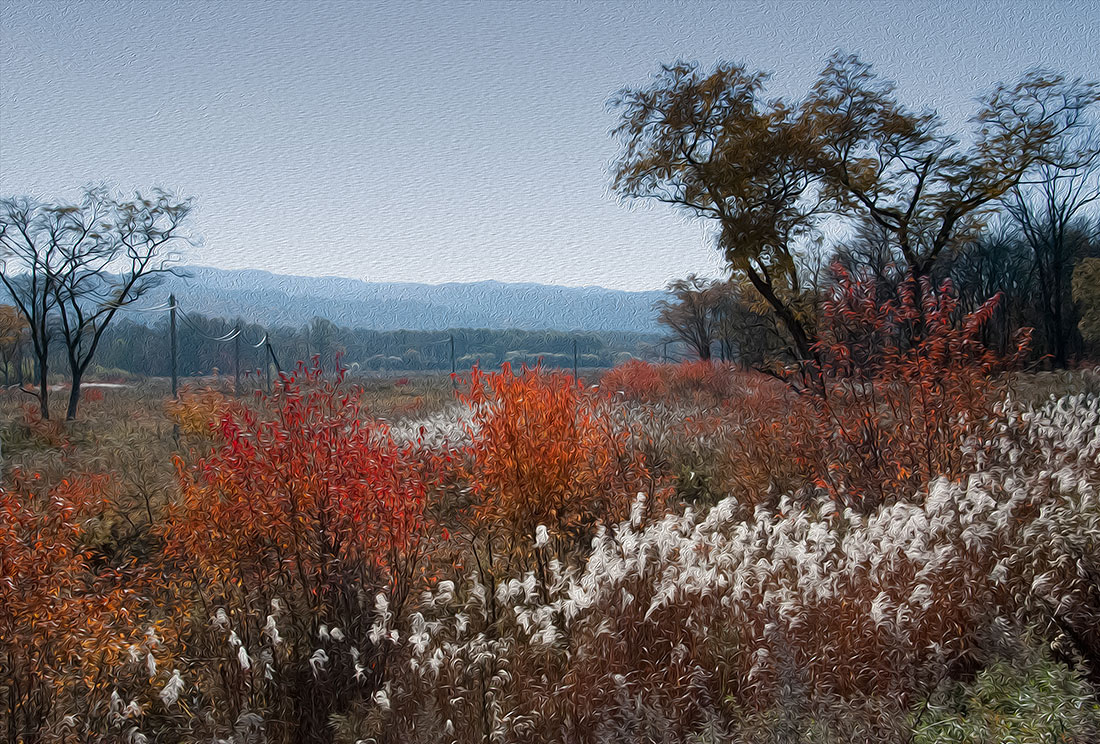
(128, 308)
(195, 328)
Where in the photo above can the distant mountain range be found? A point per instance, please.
(277, 299)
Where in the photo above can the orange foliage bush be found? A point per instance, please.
(64, 617)
(541, 455)
(198, 411)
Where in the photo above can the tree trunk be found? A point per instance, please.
(43, 391)
(74, 397)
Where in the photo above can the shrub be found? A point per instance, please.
(539, 453)
(285, 534)
(65, 617)
(907, 382)
(703, 383)
(199, 411)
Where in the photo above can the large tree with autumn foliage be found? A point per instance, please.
(768, 172)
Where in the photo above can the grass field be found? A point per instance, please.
(665, 553)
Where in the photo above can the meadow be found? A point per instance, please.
(675, 552)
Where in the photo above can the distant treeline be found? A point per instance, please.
(139, 349)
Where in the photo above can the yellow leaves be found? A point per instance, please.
(198, 411)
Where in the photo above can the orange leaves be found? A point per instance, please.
(61, 615)
(198, 411)
(541, 455)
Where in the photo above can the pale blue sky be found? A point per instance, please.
(443, 141)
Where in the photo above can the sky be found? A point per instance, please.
(445, 141)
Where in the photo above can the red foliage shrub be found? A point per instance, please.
(907, 382)
(635, 380)
(706, 383)
(304, 512)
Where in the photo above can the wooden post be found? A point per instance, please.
(237, 360)
(172, 332)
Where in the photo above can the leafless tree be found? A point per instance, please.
(692, 316)
(1047, 212)
(71, 267)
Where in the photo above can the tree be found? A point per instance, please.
(768, 172)
(746, 332)
(715, 147)
(75, 266)
(901, 169)
(30, 234)
(1046, 214)
(13, 334)
(324, 338)
(1086, 292)
(996, 262)
(693, 315)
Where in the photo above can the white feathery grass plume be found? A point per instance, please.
(318, 661)
(172, 689)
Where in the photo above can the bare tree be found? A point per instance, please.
(1047, 213)
(13, 334)
(75, 266)
(31, 236)
(693, 315)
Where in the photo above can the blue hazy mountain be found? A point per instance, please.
(277, 299)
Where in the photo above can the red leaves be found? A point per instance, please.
(300, 493)
(706, 383)
(907, 379)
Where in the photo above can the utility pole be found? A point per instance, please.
(664, 347)
(237, 359)
(267, 367)
(453, 382)
(172, 327)
(575, 376)
(175, 370)
(275, 361)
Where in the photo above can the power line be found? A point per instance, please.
(194, 327)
